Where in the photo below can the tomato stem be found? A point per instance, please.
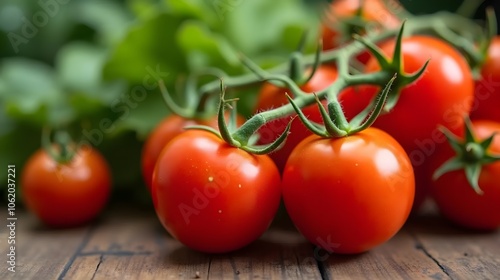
(61, 151)
(468, 8)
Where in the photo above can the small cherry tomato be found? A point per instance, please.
(374, 11)
(455, 197)
(211, 196)
(350, 194)
(66, 194)
(443, 95)
(167, 129)
(487, 92)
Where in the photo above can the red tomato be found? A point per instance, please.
(170, 127)
(271, 97)
(211, 196)
(456, 199)
(65, 195)
(350, 194)
(442, 96)
(373, 11)
(487, 93)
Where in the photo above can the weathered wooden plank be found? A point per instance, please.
(399, 258)
(133, 245)
(462, 254)
(41, 252)
(279, 254)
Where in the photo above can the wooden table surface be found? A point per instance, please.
(131, 244)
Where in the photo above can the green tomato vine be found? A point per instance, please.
(467, 36)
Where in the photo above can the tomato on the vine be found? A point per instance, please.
(456, 198)
(373, 11)
(165, 131)
(350, 194)
(211, 196)
(487, 93)
(271, 96)
(66, 194)
(441, 96)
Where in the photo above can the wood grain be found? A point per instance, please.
(131, 244)
(41, 253)
(398, 259)
(460, 253)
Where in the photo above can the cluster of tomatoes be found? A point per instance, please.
(346, 194)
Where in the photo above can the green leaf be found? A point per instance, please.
(16, 146)
(143, 9)
(197, 9)
(79, 66)
(31, 91)
(206, 48)
(109, 18)
(258, 26)
(148, 45)
(145, 115)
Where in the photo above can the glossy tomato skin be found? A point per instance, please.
(456, 199)
(66, 195)
(443, 95)
(350, 194)
(213, 197)
(487, 92)
(271, 97)
(165, 131)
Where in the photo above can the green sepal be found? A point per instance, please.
(394, 65)
(309, 124)
(377, 107)
(369, 114)
(470, 156)
(472, 172)
(62, 139)
(377, 53)
(278, 143)
(404, 80)
(244, 144)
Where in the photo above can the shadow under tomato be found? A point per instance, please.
(39, 227)
(262, 250)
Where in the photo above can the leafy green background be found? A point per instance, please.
(73, 64)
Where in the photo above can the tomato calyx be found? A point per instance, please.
(230, 133)
(335, 122)
(485, 42)
(471, 155)
(472, 40)
(62, 150)
(395, 65)
(346, 26)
